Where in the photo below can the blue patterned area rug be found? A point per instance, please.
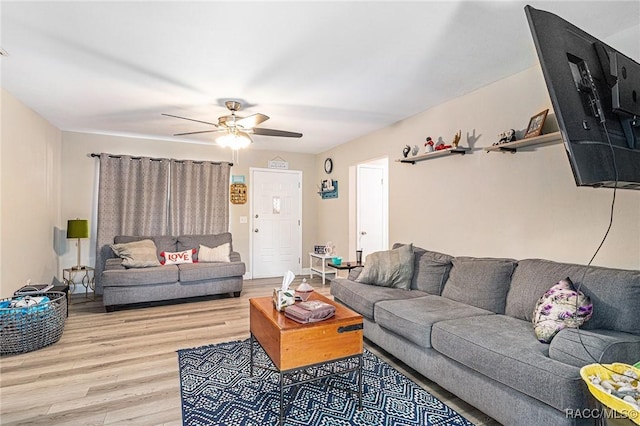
(216, 389)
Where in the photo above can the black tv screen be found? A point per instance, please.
(595, 93)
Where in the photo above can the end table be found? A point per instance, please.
(85, 276)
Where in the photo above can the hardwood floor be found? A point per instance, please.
(122, 367)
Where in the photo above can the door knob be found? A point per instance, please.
(255, 230)
(363, 232)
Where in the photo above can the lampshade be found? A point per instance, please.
(78, 228)
(237, 140)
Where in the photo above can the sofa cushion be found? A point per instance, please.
(615, 293)
(137, 254)
(190, 272)
(140, 276)
(505, 349)
(480, 282)
(604, 346)
(163, 243)
(561, 306)
(363, 297)
(390, 268)
(186, 242)
(430, 270)
(413, 318)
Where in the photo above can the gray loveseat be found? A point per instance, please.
(465, 323)
(122, 285)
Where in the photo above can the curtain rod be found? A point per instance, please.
(93, 154)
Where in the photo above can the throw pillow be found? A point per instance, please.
(480, 282)
(561, 306)
(391, 268)
(215, 254)
(137, 254)
(171, 258)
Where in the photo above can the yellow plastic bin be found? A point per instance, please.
(612, 402)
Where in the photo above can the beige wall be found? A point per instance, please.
(487, 204)
(29, 197)
(79, 175)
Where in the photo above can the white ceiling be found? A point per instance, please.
(330, 70)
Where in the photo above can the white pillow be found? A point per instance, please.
(216, 254)
(176, 258)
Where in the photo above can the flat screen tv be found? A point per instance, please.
(595, 93)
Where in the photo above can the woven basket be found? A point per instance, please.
(27, 329)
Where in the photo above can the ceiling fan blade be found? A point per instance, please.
(190, 119)
(195, 133)
(271, 132)
(251, 121)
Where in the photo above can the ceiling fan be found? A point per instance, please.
(237, 129)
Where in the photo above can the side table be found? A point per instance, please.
(322, 269)
(348, 266)
(84, 276)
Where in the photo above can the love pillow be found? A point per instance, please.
(176, 258)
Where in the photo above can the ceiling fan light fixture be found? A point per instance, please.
(235, 141)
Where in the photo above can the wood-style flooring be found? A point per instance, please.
(122, 367)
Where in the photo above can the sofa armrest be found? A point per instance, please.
(234, 256)
(355, 273)
(606, 346)
(113, 263)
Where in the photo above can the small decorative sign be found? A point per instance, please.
(237, 178)
(238, 193)
(279, 164)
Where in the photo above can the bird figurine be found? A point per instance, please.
(415, 150)
(406, 151)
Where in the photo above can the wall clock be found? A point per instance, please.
(328, 165)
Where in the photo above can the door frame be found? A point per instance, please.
(252, 185)
(383, 163)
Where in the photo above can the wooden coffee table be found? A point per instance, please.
(293, 347)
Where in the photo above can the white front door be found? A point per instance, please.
(276, 222)
(372, 210)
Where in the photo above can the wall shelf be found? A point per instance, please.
(434, 154)
(512, 147)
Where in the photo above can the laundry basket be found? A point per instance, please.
(25, 329)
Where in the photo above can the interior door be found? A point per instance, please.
(372, 227)
(276, 222)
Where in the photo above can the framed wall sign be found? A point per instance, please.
(238, 193)
(535, 124)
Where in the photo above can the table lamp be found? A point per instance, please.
(78, 228)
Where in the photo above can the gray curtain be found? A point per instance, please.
(132, 200)
(199, 197)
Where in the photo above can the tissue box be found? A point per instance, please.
(283, 298)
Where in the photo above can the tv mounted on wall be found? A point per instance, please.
(595, 93)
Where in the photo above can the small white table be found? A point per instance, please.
(323, 269)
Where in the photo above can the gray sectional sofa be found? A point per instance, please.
(121, 285)
(465, 323)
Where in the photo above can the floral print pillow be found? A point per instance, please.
(557, 310)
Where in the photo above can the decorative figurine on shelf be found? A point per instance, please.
(506, 136)
(415, 150)
(440, 145)
(456, 139)
(428, 145)
(406, 151)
